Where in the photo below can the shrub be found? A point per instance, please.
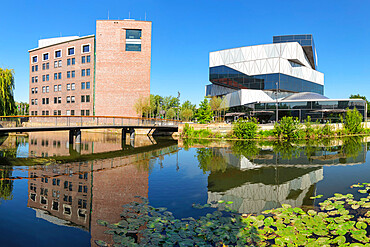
(288, 128)
(245, 129)
(327, 130)
(353, 121)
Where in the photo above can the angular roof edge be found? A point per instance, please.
(61, 42)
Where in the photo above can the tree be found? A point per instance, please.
(7, 103)
(215, 104)
(142, 105)
(186, 114)
(204, 113)
(357, 96)
(22, 108)
(171, 113)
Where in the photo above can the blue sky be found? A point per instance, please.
(184, 32)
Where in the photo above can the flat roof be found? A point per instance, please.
(62, 41)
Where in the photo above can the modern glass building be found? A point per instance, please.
(256, 80)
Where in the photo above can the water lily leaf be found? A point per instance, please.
(361, 225)
(101, 243)
(362, 191)
(102, 222)
(355, 206)
(339, 240)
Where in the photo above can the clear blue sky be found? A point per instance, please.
(184, 32)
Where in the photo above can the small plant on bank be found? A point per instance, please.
(245, 129)
(288, 128)
(353, 121)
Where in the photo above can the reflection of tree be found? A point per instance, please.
(246, 148)
(6, 186)
(352, 146)
(286, 150)
(209, 160)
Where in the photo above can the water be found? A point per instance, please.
(53, 193)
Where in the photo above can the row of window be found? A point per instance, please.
(58, 53)
(58, 100)
(58, 76)
(57, 88)
(59, 113)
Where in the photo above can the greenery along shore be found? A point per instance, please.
(288, 128)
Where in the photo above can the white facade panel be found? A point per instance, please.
(268, 59)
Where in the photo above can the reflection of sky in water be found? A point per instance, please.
(23, 150)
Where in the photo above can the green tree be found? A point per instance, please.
(7, 103)
(204, 113)
(357, 96)
(215, 104)
(353, 121)
(22, 108)
(171, 113)
(186, 114)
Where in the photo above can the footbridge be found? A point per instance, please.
(74, 124)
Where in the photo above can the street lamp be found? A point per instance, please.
(277, 103)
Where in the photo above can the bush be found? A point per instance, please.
(189, 132)
(352, 123)
(288, 128)
(245, 129)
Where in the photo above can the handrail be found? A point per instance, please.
(71, 116)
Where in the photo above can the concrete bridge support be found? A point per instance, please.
(75, 133)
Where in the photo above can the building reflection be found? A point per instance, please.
(77, 194)
(257, 179)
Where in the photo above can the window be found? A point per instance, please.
(43, 77)
(58, 53)
(82, 84)
(68, 61)
(47, 77)
(133, 34)
(55, 88)
(36, 78)
(33, 79)
(87, 98)
(73, 86)
(32, 90)
(35, 101)
(73, 74)
(34, 59)
(55, 102)
(55, 76)
(60, 63)
(82, 112)
(68, 74)
(32, 102)
(85, 48)
(36, 67)
(133, 47)
(36, 89)
(83, 59)
(55, 112)
(87, 85)
(68, 99)
(83, 72)
(87, 72)
(43, 89)
(88, 59)
(59, 101)
(72, 112)
(82, 98)
(68, 87)
(59, 75)
(45, 56)
(43, 66)
(73, 99)
(33, 69)
(68, 112)
(59, 87)
(55, 64)
(87, 112)
(47, 112)
(71, 51)
(59, 112)
(47, 89)
(47, 65)
(73, 61)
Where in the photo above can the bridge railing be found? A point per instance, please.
(36, 121)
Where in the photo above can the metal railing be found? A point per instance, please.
(36, 121)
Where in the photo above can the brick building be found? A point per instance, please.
(101, 75)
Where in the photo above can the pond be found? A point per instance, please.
(52, 193)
